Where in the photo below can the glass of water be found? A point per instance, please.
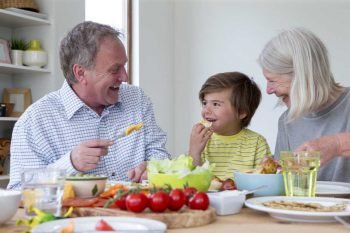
(43, 189)
(299, 171)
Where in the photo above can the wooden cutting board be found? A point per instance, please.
(180, 219)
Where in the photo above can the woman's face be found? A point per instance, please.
(279, 84)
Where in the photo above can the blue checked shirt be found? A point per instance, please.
(46, 133)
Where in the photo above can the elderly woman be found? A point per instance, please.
(296, 66)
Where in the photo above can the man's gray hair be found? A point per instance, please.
(81, 45)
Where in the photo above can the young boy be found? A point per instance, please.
(229, 101)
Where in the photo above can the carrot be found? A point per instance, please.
(113, 190)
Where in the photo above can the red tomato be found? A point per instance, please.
(189, 192)
(102, 225)
(158, 201)
(200, 201)
(136, 202)
(177, 199)
(121, 202)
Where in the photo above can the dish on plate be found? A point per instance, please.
(87, 224)
(300, 216)
(25, 12)
(332, 189)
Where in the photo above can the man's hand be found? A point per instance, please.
(86, 155)
(139, 173)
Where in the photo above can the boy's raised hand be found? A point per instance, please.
(198, 139)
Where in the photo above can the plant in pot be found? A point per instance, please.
(17, 48)
(35, 56)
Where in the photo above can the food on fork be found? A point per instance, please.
(207, 124)
(128, 130)
(133, 128)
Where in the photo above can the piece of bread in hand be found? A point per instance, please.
(207, 124)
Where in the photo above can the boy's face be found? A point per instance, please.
(217, 108)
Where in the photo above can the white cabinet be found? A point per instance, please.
(17, 25)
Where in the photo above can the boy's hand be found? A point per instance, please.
(198, 139)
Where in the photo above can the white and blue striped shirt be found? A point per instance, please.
(46, 133)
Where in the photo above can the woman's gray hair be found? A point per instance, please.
(81, 45)
(303, 55)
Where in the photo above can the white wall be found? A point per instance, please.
(210, 36)
(155, 40)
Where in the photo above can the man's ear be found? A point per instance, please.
(79, 73)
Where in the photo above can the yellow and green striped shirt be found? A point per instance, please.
(241, 151)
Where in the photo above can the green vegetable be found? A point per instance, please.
(94, 190)
(178, 172)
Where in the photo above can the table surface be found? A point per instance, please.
(247, 221)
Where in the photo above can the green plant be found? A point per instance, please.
(18, 44)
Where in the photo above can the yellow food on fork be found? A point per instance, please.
(133, 128)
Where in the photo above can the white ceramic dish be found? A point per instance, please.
(9, 202)
(120, 224)
(300, 216)
(332, 189)
(227, 202)
(87, 186)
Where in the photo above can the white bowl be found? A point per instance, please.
(9, 202)
(227, 202)
(35, 58)
(87, 186)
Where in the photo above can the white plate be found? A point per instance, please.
(300, 216)
(326, 188)
(26, 12)
(120, 224)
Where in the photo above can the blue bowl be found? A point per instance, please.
(250, 181)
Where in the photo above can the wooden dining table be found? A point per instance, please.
(247, 221)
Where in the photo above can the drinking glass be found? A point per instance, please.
(43, 189)
(299, 171)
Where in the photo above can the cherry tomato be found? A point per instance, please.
(136, 202)
(102, 225)
(158, 201)
(177, 199)
(200, 201)
(121, 202)
(189, 192)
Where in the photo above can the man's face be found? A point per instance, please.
(103, 81)
(279, 84)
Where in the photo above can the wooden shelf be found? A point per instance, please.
(13, 19)
(14, 69)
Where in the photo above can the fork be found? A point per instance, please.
(342, 221)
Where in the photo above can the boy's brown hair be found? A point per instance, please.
(245, 93)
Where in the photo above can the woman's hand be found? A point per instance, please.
(199, 138)
(329, 147)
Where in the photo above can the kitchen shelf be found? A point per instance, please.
(14, 69)
(14, 20)
(4, 177)
(9, 119)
